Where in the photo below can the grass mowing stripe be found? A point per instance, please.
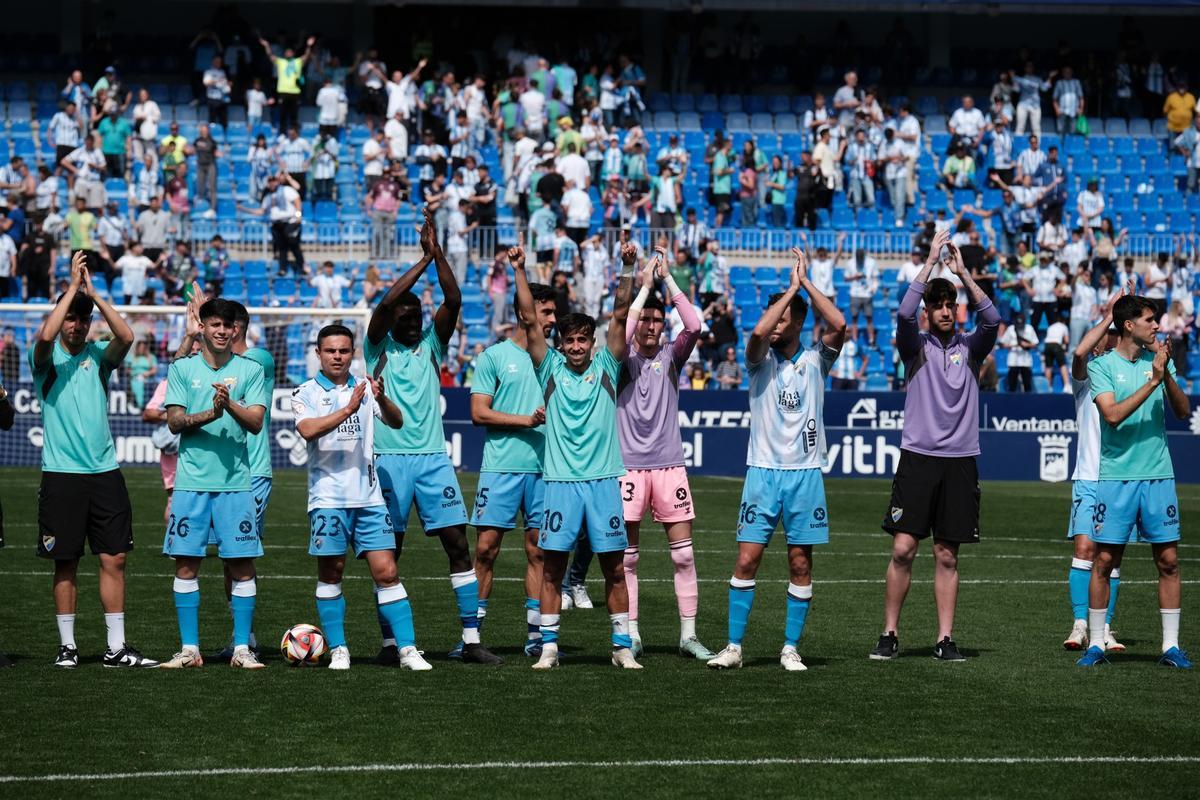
(418, 766)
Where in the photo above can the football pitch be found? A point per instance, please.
(1016, 719)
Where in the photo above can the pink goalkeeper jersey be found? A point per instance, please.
(648, 396)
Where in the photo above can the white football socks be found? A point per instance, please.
(1170, 627)
(115, 623)
(66, 629)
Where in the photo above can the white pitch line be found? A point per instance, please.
(435, 578)
(417, 766)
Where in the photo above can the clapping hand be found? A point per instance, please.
(220, 398)
(538, 417)
(940, 240)
(1158, 370)
(799, 273)
(356, 397)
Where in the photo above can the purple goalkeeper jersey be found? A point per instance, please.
(941, 408)
(648, 398)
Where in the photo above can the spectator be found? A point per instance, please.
(595, 138)
(261, 158)
(1052, 236)
(728, 372)
(846, 100)
(748, 194)
(1075, 251)
(967, 126)
(697, 376)
(712, 275)
(1003, 93)
(1187, 144)
(289, 71)
(216, 262)
(179, 271)
(533, 109)
(119, 97)
(10, 360)
(1084, 305)
(495, 287)
(1054, 353)
(1030, 159)
(77, 96)
(113, 232)
(173, 150)
(256, 102)
(382, 203)
(457, 244)
(1128, 275)
(282, 206)
(178, 202)
(844, 377)
(895, 174)
(1044, 282)
(776, 183)
(34, 261)
(573, 167)
(721, 190)
(691, 233)
(825, 158)
(324, 166)
(85, 167)
(1176, 324)
(483, 200)
(329, 286)
(152, 227)
(207, 152)
(863, 276)
(372, 74)
(1180, 109)
(295, 158)
(81, 228)
(374, 158)
(808, 177)
(1156, 281)
(459, 139)
(217, 90)
(959, 170)
(1019, 339)
(431, 159)
(674, 155)
(115, 132)
(331, 100)
(908, 131)
(1122, 86)
(988, 377)
(1090, 205)
(9, 282)
(1029, 104)
(1053, 177)
(860, 158)
(577, 206)
(142, 366)
(595, 276)
(133, 267)
(1002, 150)
(63, 133)
(1069, 103)
(815, 118)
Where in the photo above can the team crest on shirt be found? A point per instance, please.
(1148, 374)
(47, 542)
(230, 381)
(657, 367)
(955, 359)
(589, 378)
(86, 363)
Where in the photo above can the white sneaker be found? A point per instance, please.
(729, 658)
(549, 659)
(186, 657)
(411, 658)
(567, 602)
(580, 597)
(623, 657)
(244, 658)
(790, 660)
(339, 658)
(1110, 642)
(1078, 640)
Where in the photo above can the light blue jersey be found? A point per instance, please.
(411, 380)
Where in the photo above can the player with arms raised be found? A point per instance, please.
(936, 487)
(215, 400)
(412, 461)
(582, 456)
(335, 413)
(651, 447)
(1096, 342)
(507, 400)
(1136, 490)
(784, 458)
(82, 496)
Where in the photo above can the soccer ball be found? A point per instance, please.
(303, 644)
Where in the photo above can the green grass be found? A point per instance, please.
(1018, 696)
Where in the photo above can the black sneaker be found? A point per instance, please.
(68, 657)
(128, 657)
(947, 650)
(389, 656)
(5, 661)
(478, 654)
(887, 647)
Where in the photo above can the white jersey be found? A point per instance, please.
(1087, 423)
(821, 273)
(787, 401)
(341, 464)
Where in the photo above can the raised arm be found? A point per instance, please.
(526, 312)
(52, 325)
(982, 339)
(617, 345)
(760, 337)
(1091, 339)
(122, 339)
(446, 317)
(835, 320)
(389, 412)
(384, 315)
(908, 330)
(1115, 413)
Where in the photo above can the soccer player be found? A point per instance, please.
(215, 400)
(1096, 342)
(412, 460)
(651, 447)
(1136, 490)
(936, 487)
(507, 400)
(335, 413)
(82, 496)
(582, 456)
(784, 458)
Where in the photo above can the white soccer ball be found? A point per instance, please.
(303, 644)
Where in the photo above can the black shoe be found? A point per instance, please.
(68, 657)
(224, 654)
(5, 661)
(478, 654)
(887, 647)
(389, 656)
(947, 650)
(128, 657)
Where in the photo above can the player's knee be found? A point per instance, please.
(1085, 548)
(746, 566)
(385, 575)
(947, 559)
(485, 557)
(1168, 565)
(683, 558)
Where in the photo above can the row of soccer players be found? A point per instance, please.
(562, 430)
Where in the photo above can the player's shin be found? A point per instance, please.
(620, 631)
(799, 599)
(1114, 583)
(242, 600)
(533, 618)
(1078, 581)
(629, 564)
(397, 611)
(187, 611)
(466, 594)
(687, 591)
(741, 600)
(331, 609)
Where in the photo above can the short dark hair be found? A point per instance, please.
(655, 302)
(939, 290)
(334, 330)
(408, 299)
(81, 304)
(223, 310)
(1130, 307)
(241, 317)
(543, 293)
(798, 305)
(575, 323)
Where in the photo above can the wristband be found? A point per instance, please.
(640, 301)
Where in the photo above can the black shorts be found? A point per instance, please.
(75, 508)
(722, 202)
(1054, 356)
(935, 495)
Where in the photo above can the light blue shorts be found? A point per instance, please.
(795, 497)
(501, 494)
(336, 529)
(1083, 503)
(1128, 511)
(430, 481)
(572, 505)
(227, 519)
(260, 487)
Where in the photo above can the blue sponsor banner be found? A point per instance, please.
(1023, 437)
